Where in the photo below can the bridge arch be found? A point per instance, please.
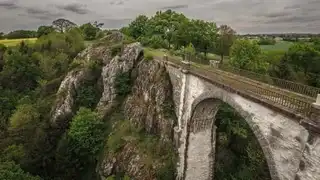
(202, 121)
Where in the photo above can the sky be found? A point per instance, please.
(245, 16)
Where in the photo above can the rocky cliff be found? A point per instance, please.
(139, 143)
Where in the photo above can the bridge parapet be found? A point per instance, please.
(298, 106)
(315, 111)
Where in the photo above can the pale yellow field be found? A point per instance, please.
(14, 42)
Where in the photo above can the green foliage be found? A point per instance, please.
(20, 34)
(25, 114)
(20, 71)
(86, 131)
(63, 25)
(117, 139)
(172, 30)
(238, 154)
(138, 27)
(267, 41)
(70, 43)
(89, 31)
(123, 84)
(304, 58)
(226, 38)
(11, 171)
(88, 95)
(246, 54)
(153, 150)
(44, 30)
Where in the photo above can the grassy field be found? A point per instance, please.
(14, 42)
(281, 45)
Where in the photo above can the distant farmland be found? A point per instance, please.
(281, 45)
(14, 42)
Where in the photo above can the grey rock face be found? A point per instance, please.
(66, 94)
(150, 105)
(118, 65)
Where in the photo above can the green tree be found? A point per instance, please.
(12, 171)
(245, 54)
(89, 30)
(226, 37)
(25, 114)
(20, 72)
(62, 24)
(86, 131)
(44, 30)
(18, 34)
(77, 150)
(138, 27)
(304, 57)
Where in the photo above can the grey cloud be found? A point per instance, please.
(43, 14)
(117, 2)
(275, 14)
(175, 7)
(9, 5)
(75, 8)
(294, 19)
(244, 16)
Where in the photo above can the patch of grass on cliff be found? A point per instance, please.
(148, 56)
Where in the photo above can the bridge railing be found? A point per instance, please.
(273, 96)
(281, 83)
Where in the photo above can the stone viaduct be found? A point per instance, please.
(286, 124)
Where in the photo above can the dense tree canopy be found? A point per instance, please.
(89, 31)
(62, 24)
(246, 54)
(226, 37)
(44, 30)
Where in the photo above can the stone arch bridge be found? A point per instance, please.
(285, 123)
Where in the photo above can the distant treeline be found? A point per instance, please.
(18, 34)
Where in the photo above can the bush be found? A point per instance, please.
(267, 41)
(12, 171)
(25, 114)
(123, 84)
(88, 95)
(86, 132)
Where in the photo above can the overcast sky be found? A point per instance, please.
(245, 16)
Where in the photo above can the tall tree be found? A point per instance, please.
(62, 24)
(226, 37)
(89, 31)
(304, 57)
(138, 27)
(44, 30)
(245, 54)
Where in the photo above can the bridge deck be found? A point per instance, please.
(289, 102)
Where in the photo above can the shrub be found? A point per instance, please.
(123, 84)
(86, 132)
